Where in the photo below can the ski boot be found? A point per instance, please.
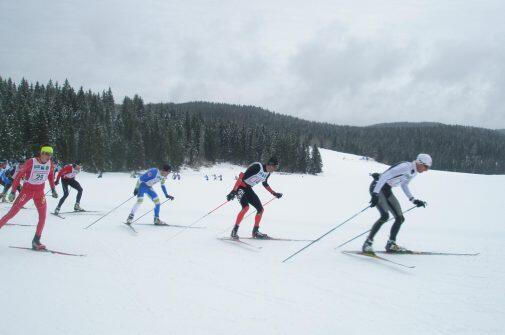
(158, 222)
(257, 234)
(392, 247)
(234, 231)
(36, 245)
(78, 208)
(57, 210)
(129, 220)
(367, 247)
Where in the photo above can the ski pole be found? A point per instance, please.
(200, 219)
(112, 210)
(149, 211)
(212, 211)
(352, 239)
(328, 232)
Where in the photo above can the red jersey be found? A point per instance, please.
(35, 174)
(68, 172)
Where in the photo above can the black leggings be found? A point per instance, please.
(248, 196)
(65, 183)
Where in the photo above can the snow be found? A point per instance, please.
(153, 283)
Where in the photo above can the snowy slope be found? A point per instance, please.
(195, 284)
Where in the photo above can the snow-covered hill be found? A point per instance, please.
(151, 283)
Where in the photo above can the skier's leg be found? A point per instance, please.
(245, 207)
(40, 203)
(396, 209)
(154, 197)
(64, 186)
(20, 201)
(75, 185)
(382, 207)
(140, 199)
(240, 216)
(256, 203)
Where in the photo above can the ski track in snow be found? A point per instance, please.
(149, 283)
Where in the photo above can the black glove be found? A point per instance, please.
(54, 194)
(277, 195)
(136, 191)
(419, 203)
(56, 182)
(169, 197)
(374, 200)
(231, 195)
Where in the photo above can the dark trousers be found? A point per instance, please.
(65, 183)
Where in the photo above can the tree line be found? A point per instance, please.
(104, 135)
(91, 128)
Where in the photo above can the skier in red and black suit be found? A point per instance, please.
(256, 173)
(36, 171)
(67, 175)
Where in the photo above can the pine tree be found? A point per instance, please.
(316, 163)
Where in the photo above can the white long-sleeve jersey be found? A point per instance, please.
(399, 174)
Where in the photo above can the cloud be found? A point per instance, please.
(344, 62)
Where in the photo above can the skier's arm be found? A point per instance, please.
(51, 177)
(27, 167)
(164, 188)
(406, 190)
(269, 189)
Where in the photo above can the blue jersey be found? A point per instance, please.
(6, 175)
(151, 177)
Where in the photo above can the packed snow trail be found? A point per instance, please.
(148, 283)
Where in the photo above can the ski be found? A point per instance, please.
(373, 255)
(20, 224)
(58, 215)
(276, 239)
(167, 225)
(435, 253)
(79, 212)
(229, 239)
(50, 251)
(130, 226)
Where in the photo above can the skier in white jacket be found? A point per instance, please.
(385, 201)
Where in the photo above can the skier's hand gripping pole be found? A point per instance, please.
(112, 210)
(328, 232)
(355, 237)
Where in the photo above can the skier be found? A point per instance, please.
(256, 173)
(385, 201)
(67, 175)
(145, 186)
(6, 179)
(35, 171)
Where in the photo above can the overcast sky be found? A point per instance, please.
(347, 62)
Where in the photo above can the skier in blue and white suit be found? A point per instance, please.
(145, 186)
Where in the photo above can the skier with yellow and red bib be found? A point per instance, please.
(36, 171)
